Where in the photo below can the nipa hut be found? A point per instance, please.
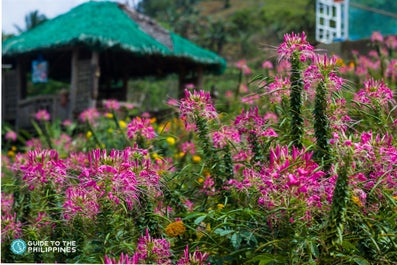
(91, 47)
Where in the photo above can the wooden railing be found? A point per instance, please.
(28, 107)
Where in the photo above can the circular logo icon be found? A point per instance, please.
(18, 246)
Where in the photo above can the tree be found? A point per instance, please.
(32, 20)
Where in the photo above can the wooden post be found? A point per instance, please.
(20, 87)
(182, 82)
(73, 82)
(95, 77)
(199, 77)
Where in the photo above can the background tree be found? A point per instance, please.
(32, 20)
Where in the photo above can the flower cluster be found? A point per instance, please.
(374, 90)
(140, 127)
(175, 229)
(197, 104)
(295, 44)
(42, 115)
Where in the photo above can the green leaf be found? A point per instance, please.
(223, 232)
(360, 261)
(236, 240)
(199, 219)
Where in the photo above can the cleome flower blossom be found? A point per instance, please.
(140, 126)
(295, 44)
(89, 115)
(323, 70)
(374, 91)
(112, 104)
(42, 115)
(197, 104)
(197, 257)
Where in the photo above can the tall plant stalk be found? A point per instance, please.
(296, 129)
(321, 127)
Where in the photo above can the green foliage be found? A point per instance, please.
(296, 127)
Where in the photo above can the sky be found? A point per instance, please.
(14, 11)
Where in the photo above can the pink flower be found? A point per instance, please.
(267, 65)
(123, 259)
(295, 44)
(277, 89)
(81, 201)
(89, 115)
(42, 115)
(196, 257)
(11, 135)
(242, 65)
(376, 37)
(391, 42)
(140, 126)
(152, 250)
(225, 135)
(67, 123)
(197, 104)
(112, 104)
(190, 86)
(10, 227)
(374, 90)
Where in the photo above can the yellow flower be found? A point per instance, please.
(180, 155)
(206, 173)
(200, 180)
(88, 135)
(175, 229)
(196, 159)
(110, 130)
(155, 155)
(11, 153)
(340, 62)
(351, 65)
(357, 201)
(395, 197)
(220, 206)
(109, 115)
(13, 148)
(170, 140)
(208, 228)
(153, 120)
(122, 124)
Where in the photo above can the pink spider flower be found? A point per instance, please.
(41, 167)
(197, 104)
(89, 115)
(242, 65)
(391, 42)
(140, 126)
(277, 89)
(11, 135)
(188, 148)
(249, 120)
(10, 228)
(295, 45)
(197, 257)
(224, 136)
(7, 200)
(374, 90)
(152, 250)
(323, 70)
(123, 259)
(112, 104)
(81, 201)
(267, 65)
(376, 36)
(42, 115)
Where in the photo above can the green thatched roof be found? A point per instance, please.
(109, 25)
